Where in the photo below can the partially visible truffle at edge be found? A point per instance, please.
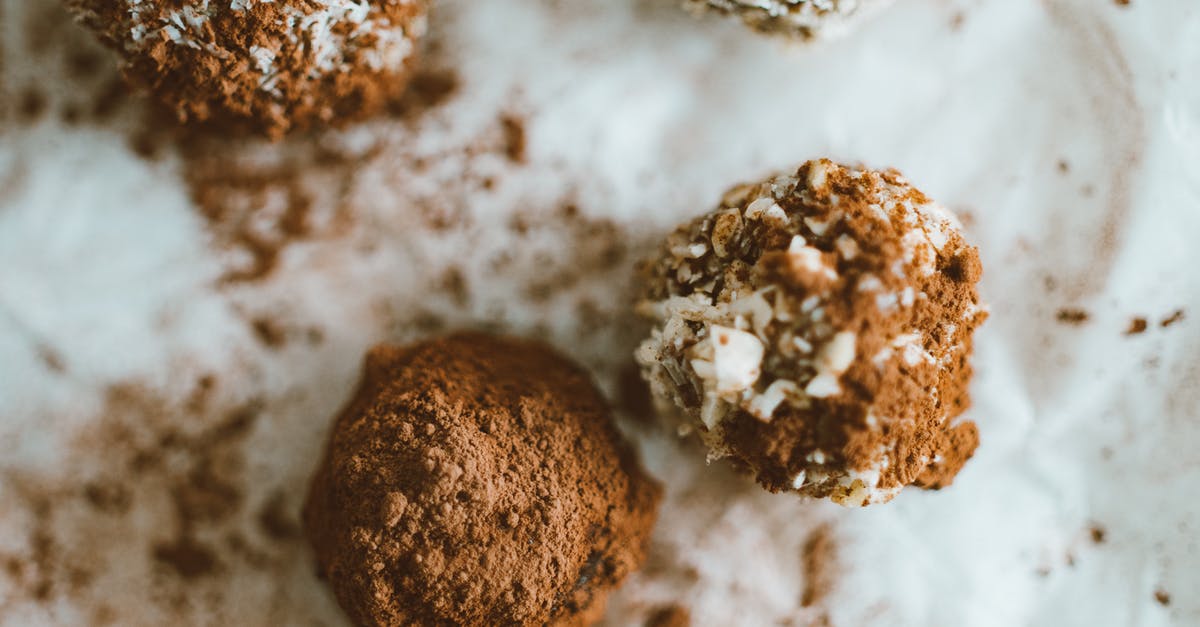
(803, 20)
(477, 480)
(265, 66)
(816, 329)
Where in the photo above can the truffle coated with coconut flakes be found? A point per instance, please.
(816, 329)
(269, 66)
(802, 20)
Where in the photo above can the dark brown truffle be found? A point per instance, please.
(477, 480)
(268, 66)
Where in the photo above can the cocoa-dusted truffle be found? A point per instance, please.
(267, 65)
(474, 480)
(799, 19)
(816, 329)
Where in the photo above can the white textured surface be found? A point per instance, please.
(638, 113)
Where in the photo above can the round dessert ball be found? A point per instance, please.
(474, 480)
(266, 65)
(815, 329)
(800, 19)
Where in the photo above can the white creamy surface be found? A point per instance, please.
(639, 114)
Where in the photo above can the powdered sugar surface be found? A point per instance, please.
(1082, 427)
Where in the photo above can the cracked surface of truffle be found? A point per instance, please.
(816, 329)
(477, 480)
(799, 19)
(266, 66)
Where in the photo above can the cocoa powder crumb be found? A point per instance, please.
(428, 88)
(32, 105)
(670, 616)
(1136, 326)
(1097, 534)
(269, 332)
(52, 359)
(514, 137)
(1175, 317)
(1162, 597)
(108, 497)
(275, 519)
(71, 115)
(1072, 316)
(187, 558)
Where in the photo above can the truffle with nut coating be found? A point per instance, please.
(816, 329)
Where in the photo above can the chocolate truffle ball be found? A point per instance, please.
(799, 19)
(816, 328)
(474, 480)
(266, 65)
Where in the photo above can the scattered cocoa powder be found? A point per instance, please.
(1137, 326)
(477, 480)
(1163, 598)
(1097, 533)
(175, 461)
(1072, 316)
(255, 208)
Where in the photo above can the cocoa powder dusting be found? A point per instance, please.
(258, 201)
(477, 480)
